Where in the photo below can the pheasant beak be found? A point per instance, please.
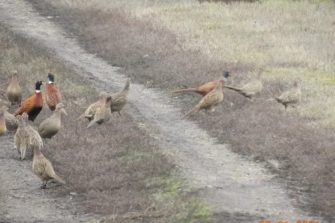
(64, 112)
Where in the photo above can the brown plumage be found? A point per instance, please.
(205, 88)
(52, 93)
(43, 168)
(290, 97)
(11, 121)
(32, 105)
(210, 100)
(91, 110)
(103, 111)
(3, 128)
(119, 99)
(14, 91)
(26, 137)
(50, 126)
(249, 89)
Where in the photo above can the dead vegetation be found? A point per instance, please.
(115, 170)
(153, 44)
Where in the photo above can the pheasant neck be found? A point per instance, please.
(50, 82)
(37, 151)
(37, 91)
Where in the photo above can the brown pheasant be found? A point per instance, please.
(210, 100)
(119, 99)
(11, 121)
(91, 110)
(52, 93)
(103, 112)
(14, 91)
(43, 168)
(249, 89)
(33, 105)
(290, 97)
(26, 137)
(3, 128)
(50, 126)
(205, 88)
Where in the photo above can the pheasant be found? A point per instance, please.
(50, 126)
(103, 112)
(205, 88)
(249, 89)
(11, 121)
(43, 168)
(26, 137)
(14, 91)
(210, 100)
(90, 111)
(32, 105)
(52, 93)
(119, 99)
(290, 97)
(3, 128)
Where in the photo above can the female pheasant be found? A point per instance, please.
(32, 105)
(43, 168)
(14, 91)
(53, 95)
(3, 128)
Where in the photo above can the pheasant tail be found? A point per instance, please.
(59, 179)
(194, 110)
(126, 87)
(184, 90)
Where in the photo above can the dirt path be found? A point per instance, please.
(231, 183)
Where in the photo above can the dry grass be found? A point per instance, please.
(189, 43)
(288, 38)
(114, 176)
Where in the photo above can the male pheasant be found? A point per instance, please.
(32, 105)
(205, 88)
(210, 100)
(52, 93)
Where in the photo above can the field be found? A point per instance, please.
(125, 173)
(168, 45)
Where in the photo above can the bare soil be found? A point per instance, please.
(298, 152)
(21, 199)
(238, 188)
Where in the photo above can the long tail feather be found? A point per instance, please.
(59, 179)
(233, 88)
(23, 149)
(184, 90)
(92, 123)
(126, 87)
(194, 110)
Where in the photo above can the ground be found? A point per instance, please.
(239, 188)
